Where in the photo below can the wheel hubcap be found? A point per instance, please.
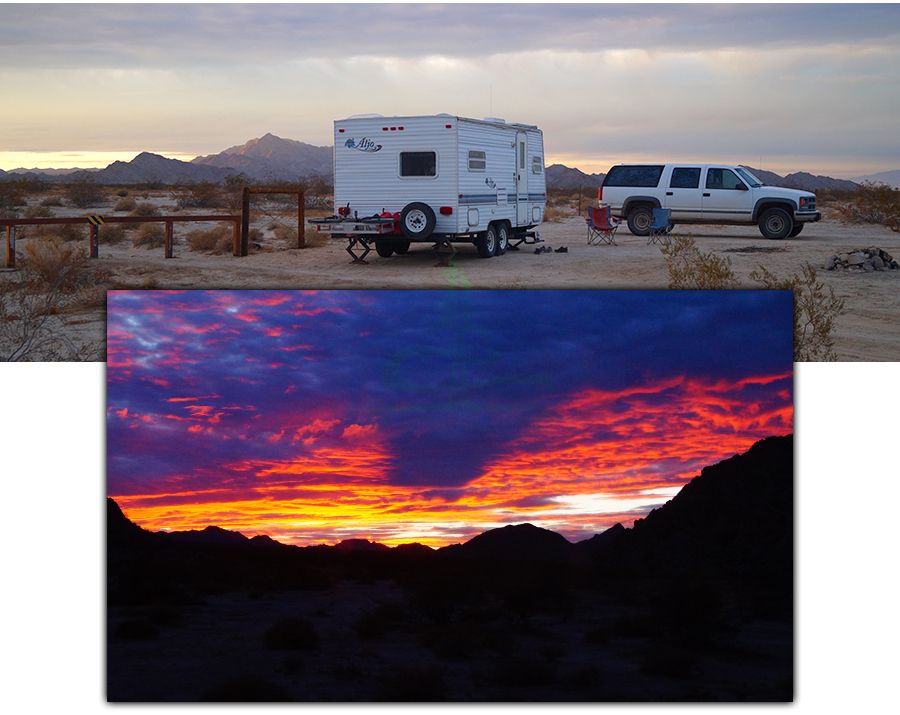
(415, 220)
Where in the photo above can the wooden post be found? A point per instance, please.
(245, 224)
(169, 238)
(95, 242)
(10, 246)
(301, 220)
(237, 238)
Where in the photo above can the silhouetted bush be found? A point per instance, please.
(524, 671)
(246, 689)
(85, 193)
(292, 633)
(374, 624)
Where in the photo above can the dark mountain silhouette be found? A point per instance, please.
(209, 535)
(520, 542)
(563, 177)
(360, 545)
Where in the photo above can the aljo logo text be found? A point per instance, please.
(362, 145)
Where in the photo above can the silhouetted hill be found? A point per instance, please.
(120, 530)
(520, 542)
(563, 177)
(360, 545)
(209, 535)
(736, 517)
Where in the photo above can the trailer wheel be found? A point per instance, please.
(417, 221)
(486, 243)
(502, 238)
(385, 249)
(401, 247)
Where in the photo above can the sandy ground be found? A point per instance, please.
(868, 331)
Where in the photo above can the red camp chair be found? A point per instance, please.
(601, 227)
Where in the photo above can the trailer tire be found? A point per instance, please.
(486, 243)
(417, 221)
(401, 247)
(502, 238)
(385, 249)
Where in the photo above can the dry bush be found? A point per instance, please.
(39, 211)
(86, 192)
(127, 204)
(815, 311)
(145, 208)
(691, 269)
(122, 192)
(554, 214)
(52, 200)
(287, 235)
(873, 203)
(150, 235)
(216, 240)
(203, 195)
(52, 278)
(112, 233)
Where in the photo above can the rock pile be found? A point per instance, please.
(862, 261)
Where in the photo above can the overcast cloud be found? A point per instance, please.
(799, 87)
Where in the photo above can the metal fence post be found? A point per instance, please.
(169, 239)
(245, 224)
(301, 215)
(95, 241)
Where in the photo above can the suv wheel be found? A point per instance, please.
(639, 220)
(775, 223)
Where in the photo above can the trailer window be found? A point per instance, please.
(418, 163)
(536, 165)
(477, 160)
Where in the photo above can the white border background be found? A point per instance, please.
(54, 487)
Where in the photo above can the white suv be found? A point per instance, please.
(705, 193)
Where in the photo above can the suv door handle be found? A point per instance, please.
(706, 195)
(670, 193)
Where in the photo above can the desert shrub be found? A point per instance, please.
(815, 311)
(54, 266)
(126, 204)
(52, 200)
(413, 684)
(291, 633)
(246, 689)
(873, 203)
(136, 630)
(145, 208)
(112, 233)
(86, 192)
(150, 235)
(287, 235)
(217, 240)
(39, 211)
(553, 214)
(203, 195)
(122, 191)
(691, 269)
(11, 197)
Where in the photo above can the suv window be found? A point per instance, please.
(723, 179)
(687, 178)
(418, 163)
(633, 176)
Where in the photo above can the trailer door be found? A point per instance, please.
(521, 179)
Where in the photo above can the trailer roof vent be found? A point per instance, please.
(366, 116)
(495, 120)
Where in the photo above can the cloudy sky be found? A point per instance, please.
(789, 87)
(432, 416)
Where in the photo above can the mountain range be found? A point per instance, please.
(272, 158)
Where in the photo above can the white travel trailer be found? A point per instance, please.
(400, 180)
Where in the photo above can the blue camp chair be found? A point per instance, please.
(661, 227)
(601, 227)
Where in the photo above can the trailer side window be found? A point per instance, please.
(418, 163)
(477, 160)
(536, 165)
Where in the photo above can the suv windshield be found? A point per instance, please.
(748, 177)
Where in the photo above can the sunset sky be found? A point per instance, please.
(432, 416)
(785, 88)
